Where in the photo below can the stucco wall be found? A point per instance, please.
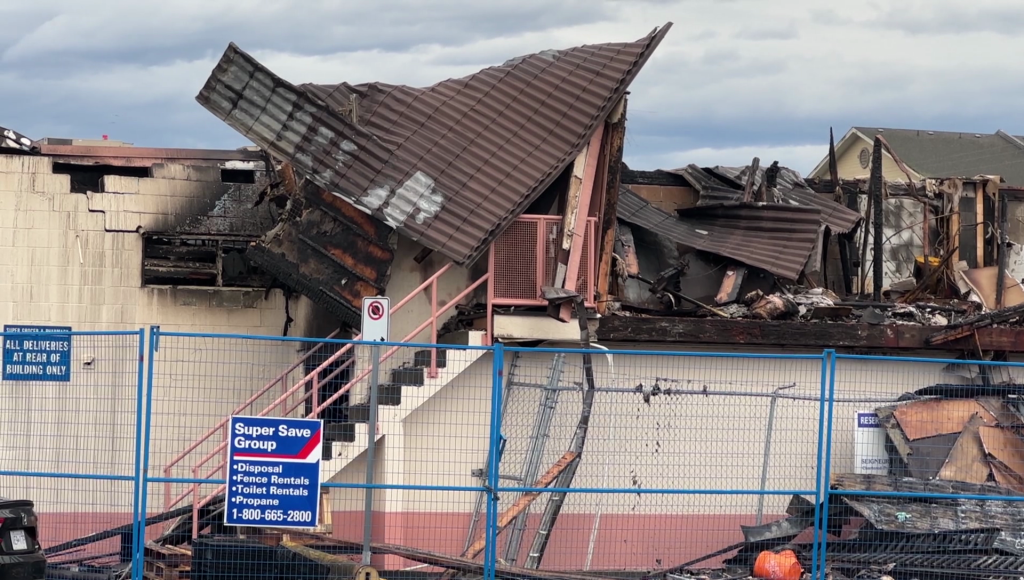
(683, 441)
(849, 166)
(75, 259)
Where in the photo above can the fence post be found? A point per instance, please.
(828, 390)
(491, 527)
(154, 342)
(138, 529)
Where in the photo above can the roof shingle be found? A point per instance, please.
(952, 154)
(450, 165)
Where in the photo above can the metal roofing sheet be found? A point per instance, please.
(839, 218)
(450, 165)
(11, 139)
(775, 237)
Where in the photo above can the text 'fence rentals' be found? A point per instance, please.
(174, 455)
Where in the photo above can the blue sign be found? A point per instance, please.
(868, 421)
(274, 472)
(44, 355)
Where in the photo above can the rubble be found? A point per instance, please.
(957, 452)
(741, 267)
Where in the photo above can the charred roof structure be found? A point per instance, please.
(448, 166)
(757, 255)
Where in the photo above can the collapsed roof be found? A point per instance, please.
(724, 184)
(775, 237)
(450, 165)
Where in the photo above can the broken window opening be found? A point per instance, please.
(86, 178)
(245, 176)
(218, 262)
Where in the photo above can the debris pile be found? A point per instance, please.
(765, 244)
(953, 451)
(965, 440)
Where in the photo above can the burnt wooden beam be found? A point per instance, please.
(799, 334)
(748, 187)
(833, 166)
(615, 138)
(876, 196)
(1001, 249)
(662, 178)
(966, 328)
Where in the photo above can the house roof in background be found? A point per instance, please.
(947, 153)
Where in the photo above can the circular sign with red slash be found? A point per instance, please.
(375, 310)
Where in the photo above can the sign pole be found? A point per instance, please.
(371, 444)
(376, 326)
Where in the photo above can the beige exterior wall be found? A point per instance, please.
(848, 163)
(71, 259)
(407, 275)
(677, 441)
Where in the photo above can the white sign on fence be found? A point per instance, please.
(869, 453)
(376, 319)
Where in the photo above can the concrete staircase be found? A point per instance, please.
(407, 387)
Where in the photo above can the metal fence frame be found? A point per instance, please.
(492, 488)
(137, 475)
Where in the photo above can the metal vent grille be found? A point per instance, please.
(515, 263)
(524, 259)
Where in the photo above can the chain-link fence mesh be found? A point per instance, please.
(683, 446)
(69, 418)
(690, 461)
(926, 467)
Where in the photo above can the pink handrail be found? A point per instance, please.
(330, 360)
(197, 504)
(314, 376)
(181, 456)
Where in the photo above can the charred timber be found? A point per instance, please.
(662, 178)
(799, 334)
(876, 219)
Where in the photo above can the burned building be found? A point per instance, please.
(495, 208)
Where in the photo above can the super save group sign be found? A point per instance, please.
(37, 353)
(274, 472)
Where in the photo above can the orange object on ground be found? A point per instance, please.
(781, 566)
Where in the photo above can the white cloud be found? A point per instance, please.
(729, 76)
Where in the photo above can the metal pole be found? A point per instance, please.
(371, 443)
(768, 449)
(538, 444)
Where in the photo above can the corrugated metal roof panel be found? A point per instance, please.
(713, 191)
(450, 165)
(838, 217)
(775, 237)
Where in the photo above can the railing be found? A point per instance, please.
(514, 278)
(314, 377)
(223, 425)
(518, 275)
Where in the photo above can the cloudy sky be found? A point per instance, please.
(734, 78)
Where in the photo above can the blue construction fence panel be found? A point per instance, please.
(260, 432)
(151, 454)
(70, 422)
(926, 467)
